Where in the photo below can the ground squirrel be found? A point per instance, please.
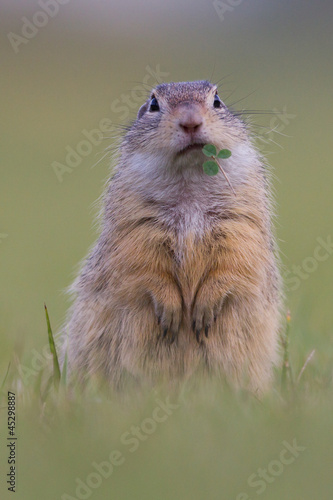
(184, 273)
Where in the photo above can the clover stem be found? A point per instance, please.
(225, 175)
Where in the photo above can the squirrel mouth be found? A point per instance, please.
(192, 147)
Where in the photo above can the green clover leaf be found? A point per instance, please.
(210, 167)
(224, 153)
(209, 150)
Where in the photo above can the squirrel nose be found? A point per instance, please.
(190, 122)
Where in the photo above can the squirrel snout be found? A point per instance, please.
(190, 121)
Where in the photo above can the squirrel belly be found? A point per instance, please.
(185, 272)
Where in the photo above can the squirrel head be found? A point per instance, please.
(178, 119)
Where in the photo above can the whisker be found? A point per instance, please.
(211, 76)
(144, 85)
(242, 99)
(256, 112)
(231, 93)
(218, 82)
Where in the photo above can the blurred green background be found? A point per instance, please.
(88, 62)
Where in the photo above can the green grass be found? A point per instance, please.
(209, 444)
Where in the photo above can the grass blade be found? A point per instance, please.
(64, 370)
(4, 380)
(286, 367)
(56, 367)
(307, 361)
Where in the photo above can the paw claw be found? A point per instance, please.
(205, 312)
(169, 321)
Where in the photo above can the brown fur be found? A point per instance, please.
(184, 273)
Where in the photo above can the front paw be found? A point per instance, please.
(169, 318)
(204, 316)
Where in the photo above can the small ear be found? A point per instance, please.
(142, 110)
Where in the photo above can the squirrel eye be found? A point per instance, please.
(154, 104)
(217, 101)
